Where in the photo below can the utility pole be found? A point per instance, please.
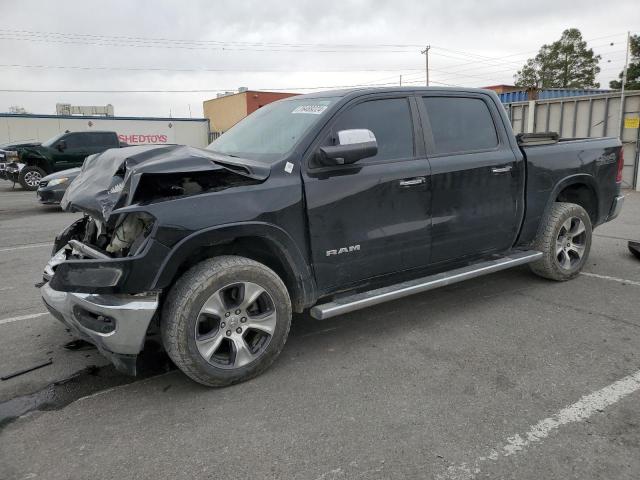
(425, 52)
(400, 79)
(624, 80)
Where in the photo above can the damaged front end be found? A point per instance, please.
(101, 280)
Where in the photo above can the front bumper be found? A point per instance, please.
(50, 195)
(616, 207)
(116, 324)
(13, 171)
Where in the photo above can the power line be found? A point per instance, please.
(110, 41)
(203, 42)
(220, 49)
(7, 90)
(166, 69)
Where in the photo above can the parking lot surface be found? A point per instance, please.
(505, 376)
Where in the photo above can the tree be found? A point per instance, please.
(633, 70)
(566, 63)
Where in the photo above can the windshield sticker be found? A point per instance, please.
(312, 109)
(288, 167)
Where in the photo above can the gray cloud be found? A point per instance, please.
(498, 29)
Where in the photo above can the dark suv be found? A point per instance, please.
(64, 151)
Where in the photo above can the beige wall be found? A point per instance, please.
(224, 112)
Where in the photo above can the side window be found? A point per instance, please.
(460, 124)
(104, 140)
(74, 141)
(388, 119)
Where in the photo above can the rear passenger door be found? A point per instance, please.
(476, 178)
(370, 218)
(101, 141)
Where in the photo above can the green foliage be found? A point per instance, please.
(566, 63)
(633, 71)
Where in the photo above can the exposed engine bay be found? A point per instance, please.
(130, 178)
(118, 178)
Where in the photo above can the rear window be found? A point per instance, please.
(460, 124)
(102, 139)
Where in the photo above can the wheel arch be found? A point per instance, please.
(31, 160)
(262, 242)
(580, 189)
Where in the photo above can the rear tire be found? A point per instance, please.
(565, 242)
(226, 320)
(30, 176)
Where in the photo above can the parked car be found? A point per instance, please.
(331, 202)
(9, 155)
(64, 151)
(52, 187)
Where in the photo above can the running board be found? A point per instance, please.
(404, 289)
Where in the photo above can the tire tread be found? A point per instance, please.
(174, 318)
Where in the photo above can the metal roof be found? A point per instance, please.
(101, 117)
(549, 93)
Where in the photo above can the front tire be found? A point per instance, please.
(30, 176)
(565, 241)
(226, 320)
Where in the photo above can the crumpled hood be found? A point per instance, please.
(108, 180)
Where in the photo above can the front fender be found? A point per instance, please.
(36, 158)
(278, 239)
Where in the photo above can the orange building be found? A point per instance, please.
(502, 88)
(227, 109)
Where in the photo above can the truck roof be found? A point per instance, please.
(347, 92)
(93, 131)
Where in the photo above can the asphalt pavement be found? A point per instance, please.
(504, 376)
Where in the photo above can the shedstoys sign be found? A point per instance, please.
(134, 139)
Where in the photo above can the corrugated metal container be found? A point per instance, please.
(549, 93)
(591, 115)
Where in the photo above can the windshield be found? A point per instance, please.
(273, 130)
(52, 140)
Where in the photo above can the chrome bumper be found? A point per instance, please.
(616, 206)
(116, 324)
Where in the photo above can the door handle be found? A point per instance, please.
(410, 182)
(498, 170)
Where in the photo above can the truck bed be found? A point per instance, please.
(593, 160)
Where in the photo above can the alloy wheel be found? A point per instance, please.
(235, 325)
(571, 243)
(32, 178)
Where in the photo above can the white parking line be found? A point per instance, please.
(613, 279)
(22, 317)
(581, 410)
(22, 247)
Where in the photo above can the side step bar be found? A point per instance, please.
(380, 295)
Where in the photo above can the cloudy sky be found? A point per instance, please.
(160, 47)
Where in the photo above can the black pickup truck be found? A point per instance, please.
(331, 202)
(64, 151)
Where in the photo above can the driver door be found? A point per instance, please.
(372, 217)
(75, 151)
